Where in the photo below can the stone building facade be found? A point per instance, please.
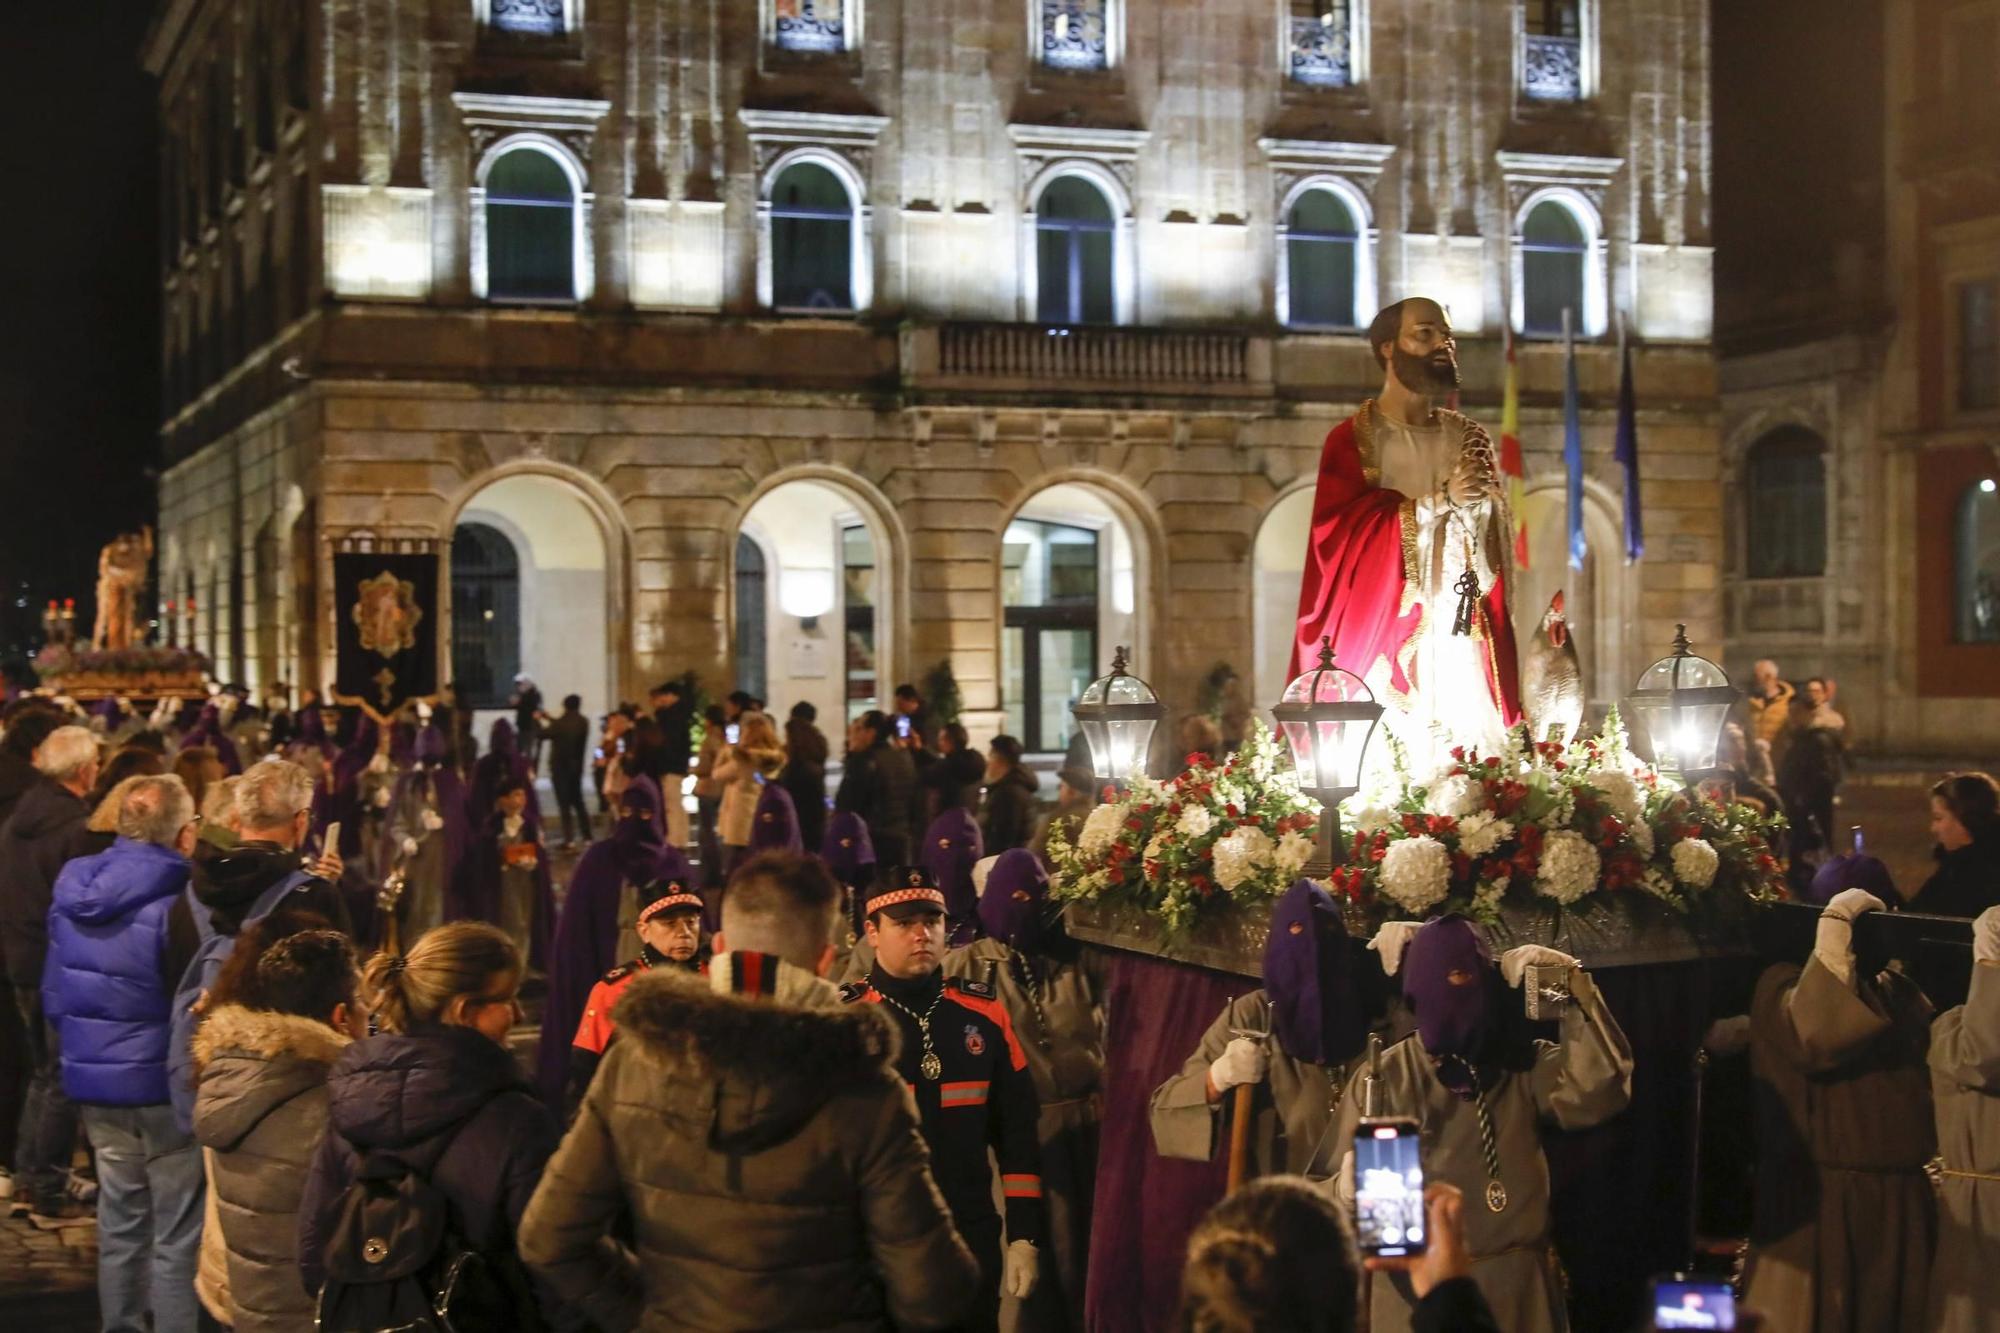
(810, 343)
(1860, 368)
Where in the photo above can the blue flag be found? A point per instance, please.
(1626, 451)
(1573, 449)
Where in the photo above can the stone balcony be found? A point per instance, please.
(1083, 361)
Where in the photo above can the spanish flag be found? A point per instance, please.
(1510, 456)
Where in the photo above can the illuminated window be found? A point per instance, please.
(537, 18)
(1977, 558)
(530, 228)
(812, 240)
(809, 25)
(1322, 254)
(1319, 43)
(1075, 244)
(1978, 346)
(1785, 505)
(1076, 34)
(1554, 248)
(1552, 50)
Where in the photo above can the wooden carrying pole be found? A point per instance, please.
(1239, 1133)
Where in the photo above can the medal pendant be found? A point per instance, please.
(932, 1068)
(1496, 1196)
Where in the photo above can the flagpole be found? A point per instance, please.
(1572, 444)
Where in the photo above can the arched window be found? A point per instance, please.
(1075, 241)
(1976, 557)
(812, 240)
(485, 615)
(530, 228)
(1785, 505)
(1322, 258)
(1554, 249)
(752, 638)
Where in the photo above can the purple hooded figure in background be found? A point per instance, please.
(1013, 903)
(1318, 988)
(774, 827)
(208, 731)
(951, 847)
(1856, 870)
(502, 760)
(850, 854)
(402, 744)
(587, 943)
(312, 736)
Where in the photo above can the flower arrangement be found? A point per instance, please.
(1557, 823)
(1234, 831)
(58, 659)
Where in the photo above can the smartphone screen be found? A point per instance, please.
(903, 726)
(1388, 1189)
(1681, 1301)
(731, 732)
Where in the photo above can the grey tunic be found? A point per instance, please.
(424, 887)
(1582, 1080)
(1293, 1107)
(1965, 1081)
(1845, 1220)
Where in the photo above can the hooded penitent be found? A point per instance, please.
(1856, 870)
(501, 763)
(586, 939)
(951, 847)
(1312, 978)
(208, 730)
(775, 825)
(850, 854)
(1450, 979)
(1013, 903)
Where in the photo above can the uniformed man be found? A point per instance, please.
(1295, 1042)
(970, 1078)
(670, 936)
(1053, 992)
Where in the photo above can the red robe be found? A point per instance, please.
(1359, 583)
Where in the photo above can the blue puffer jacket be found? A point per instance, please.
(104, 985)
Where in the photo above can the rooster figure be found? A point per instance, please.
(1551, 679)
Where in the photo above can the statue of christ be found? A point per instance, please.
(1409, 558)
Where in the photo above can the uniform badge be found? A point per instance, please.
(975, 1044)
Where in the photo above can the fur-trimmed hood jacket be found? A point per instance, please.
(772, 1160)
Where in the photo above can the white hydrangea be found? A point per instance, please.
(1695, 862)
(1294, 850)
(1482, 832)
(1100, 829)
(1416, 872)
(1375, 818)
(1456, 795)
(1642, 838)
(1241, 854)
(1620, 792)
(1195, 821)
(1569, 868)
(1661, 885)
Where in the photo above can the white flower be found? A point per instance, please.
(1100, 829)
(1240, 854)
(1695, 862)
(1658, 883)
(1642, 839)
(1416, 872)
(1294, 850)
(1569, 867)
(1375, 818)
(1456, 795)
(1482, 832)
(1619, 791)
(1195, 820)
(1157, 844)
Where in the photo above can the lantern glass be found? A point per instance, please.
(1327, 716)
(1118, 714)
(1682, 701)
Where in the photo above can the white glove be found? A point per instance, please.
(1024, 1270)
(1514, 964)
(1833, 941)
(1244, 1060)
(379, 763)
(1986, 936)
(433, 821)
(1391, 940)
(409, 845)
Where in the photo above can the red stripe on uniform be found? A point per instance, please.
(963, 1094)
(1021, 1187)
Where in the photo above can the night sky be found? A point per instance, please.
(79, 302)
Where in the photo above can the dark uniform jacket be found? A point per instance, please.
(596, 1030)
(984, 1097)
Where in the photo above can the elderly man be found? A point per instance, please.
(234, 886)
(1769, 702)
(33, 847)
(107, 993)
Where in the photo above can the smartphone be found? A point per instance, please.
(731, 732)
(330, 841)
(1683, 1301)
(1388, 1189)
(903, 725)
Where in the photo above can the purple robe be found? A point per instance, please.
(476, 890)
(952, 846)
(208, 731)
(775, 825)
(501, 763)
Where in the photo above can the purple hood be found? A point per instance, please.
(1312, 980)
(1013, 908)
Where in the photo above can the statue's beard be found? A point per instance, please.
(1436, 373)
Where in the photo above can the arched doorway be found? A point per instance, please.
(1278, 564)
(1069, 592)
(1595, 598)
(533, 595)
(811, 615)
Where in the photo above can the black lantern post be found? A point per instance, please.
(1681, 704)
(1118, 713)
(1327, 717)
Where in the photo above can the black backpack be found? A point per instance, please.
(395, 1262)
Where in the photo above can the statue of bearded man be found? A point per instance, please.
(121, 574)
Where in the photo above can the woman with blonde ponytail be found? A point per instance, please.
(437, 1088)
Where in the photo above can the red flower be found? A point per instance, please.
(1439, 823)
(1133, 824)
(1413, 824)
(1458, 753)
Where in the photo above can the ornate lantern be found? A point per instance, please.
(1327, 717)
(1680, 705)
(1117, 714)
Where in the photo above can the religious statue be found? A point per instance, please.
(121, 574)
(1409, 559)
